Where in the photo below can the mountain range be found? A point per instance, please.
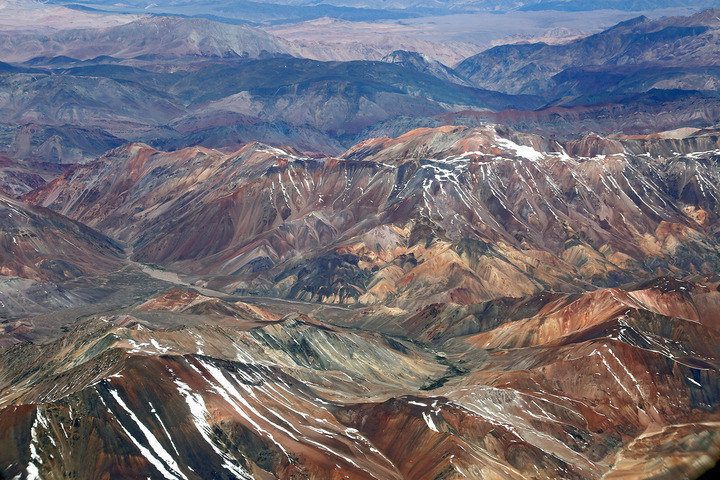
(261, 213)
(225, 103)
(169, 37)
(393, 312)
(298, 10)
(303, 248)
(635, 53)
(70, 95)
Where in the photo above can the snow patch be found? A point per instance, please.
(523, 151)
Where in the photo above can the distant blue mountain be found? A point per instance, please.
(368, 10)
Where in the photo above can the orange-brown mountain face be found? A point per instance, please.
(452, 303)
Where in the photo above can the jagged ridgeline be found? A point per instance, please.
(449, 214)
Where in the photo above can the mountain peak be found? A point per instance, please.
(709, 17)
(630, 23)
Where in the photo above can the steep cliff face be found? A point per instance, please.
(436, 215)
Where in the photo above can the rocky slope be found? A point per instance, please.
(675, 52)
(265, 396)
(18, 177)
(16, 180)
(436, 303)
(436, 215)
(36, 145)
(461, 334)
(423, 63)
(638, 77)
(64, 109)
(174, 82)
(38, 244)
